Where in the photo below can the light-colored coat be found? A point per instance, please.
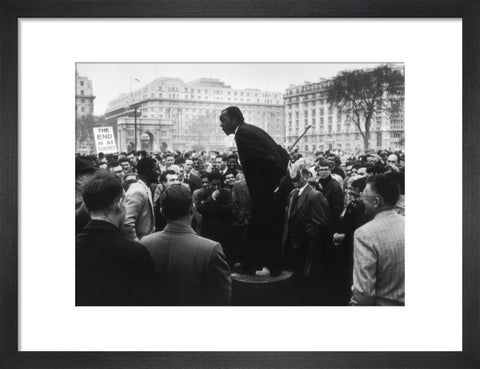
(139, 215)
(379, 261)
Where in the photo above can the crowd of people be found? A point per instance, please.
(170, 228)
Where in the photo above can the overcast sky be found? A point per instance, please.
(111, 79)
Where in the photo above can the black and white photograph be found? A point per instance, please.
(245, 184)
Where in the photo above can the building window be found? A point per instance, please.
(82, 92)
(82, 110)
(81, 83)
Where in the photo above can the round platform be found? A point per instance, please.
(256, 290)
(245, 278)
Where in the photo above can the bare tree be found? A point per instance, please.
(360, 93)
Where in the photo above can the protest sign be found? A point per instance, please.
(104, 140)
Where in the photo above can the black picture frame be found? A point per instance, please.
(11, 10)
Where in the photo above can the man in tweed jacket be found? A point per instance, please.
(379, 247)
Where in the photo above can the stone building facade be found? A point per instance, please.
(84, 97)
(173, 114)
(331, 128)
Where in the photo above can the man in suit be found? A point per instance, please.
(109, 269)
(379, 247)
(192, 267)
(215, 206)
(304, 233)
(264, 163)
(139, 212)
(191, 178)
(242, 212)
(331, 190)
(333, 262)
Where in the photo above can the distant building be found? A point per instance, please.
(84, 109)
(172, 114)
(332, 128)
(83, 97)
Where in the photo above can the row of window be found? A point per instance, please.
(207, 91)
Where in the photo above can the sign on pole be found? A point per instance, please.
(104, 140)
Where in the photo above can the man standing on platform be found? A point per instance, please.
(264, 163)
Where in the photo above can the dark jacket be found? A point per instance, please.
(82, 217)
(306, 223)
(264, 162)
(308, 220)
(111, 270)
(193, 181)
(217, 219)
(339, 171)
(333, 193)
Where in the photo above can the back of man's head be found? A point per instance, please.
(180, 160)
(103, 189)
(176, 202)
(145, 165)
(386, 186)
(215, 175)
(113, 164)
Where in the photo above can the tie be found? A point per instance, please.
(295, 201)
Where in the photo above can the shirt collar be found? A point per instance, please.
(236, 129)
(101, 224)
(300, 190)
(385, 213)
(178, 227)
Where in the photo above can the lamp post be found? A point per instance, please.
(135, 107)
(135, 127)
